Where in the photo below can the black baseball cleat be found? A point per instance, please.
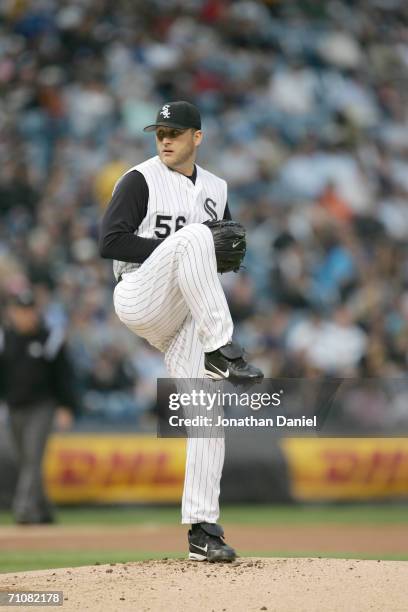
(206, 542)
(228, 362)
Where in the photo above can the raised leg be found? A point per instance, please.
(178, 279)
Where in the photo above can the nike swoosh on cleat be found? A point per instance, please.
(225, 374)
(203, 548)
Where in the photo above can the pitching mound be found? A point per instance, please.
(249, 584)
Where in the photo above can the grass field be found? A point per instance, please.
(243, 514)
(260, 516)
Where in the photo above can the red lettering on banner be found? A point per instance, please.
(384, 466)
(139, 468)
(123, 468)
(368, 468)
(341, 465)
(75, 467)
(163, 475)
(81, 468)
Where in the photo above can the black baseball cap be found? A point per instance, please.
(181, 115)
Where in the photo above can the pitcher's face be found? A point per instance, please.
(176, 147)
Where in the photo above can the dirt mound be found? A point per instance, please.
(247, 585)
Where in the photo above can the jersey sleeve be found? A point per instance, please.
(122, 218)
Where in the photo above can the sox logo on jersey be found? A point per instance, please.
(175, 301)
(209, 207)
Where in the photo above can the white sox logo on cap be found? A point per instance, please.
(180, 115)
(165, 111)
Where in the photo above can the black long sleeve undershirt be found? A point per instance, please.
(125, 213)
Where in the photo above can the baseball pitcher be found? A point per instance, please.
(169, 231)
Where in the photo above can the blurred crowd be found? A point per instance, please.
(305, 109)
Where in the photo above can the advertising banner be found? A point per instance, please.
(347, 468)
(97, 468)
(114, 469)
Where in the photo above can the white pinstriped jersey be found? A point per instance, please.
(175, 201)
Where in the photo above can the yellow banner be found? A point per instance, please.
(114, 468)
(93, 468)
(347, 468)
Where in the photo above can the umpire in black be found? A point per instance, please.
(36, 383)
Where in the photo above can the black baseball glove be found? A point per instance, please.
(230, 244)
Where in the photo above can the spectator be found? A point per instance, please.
(307, 111)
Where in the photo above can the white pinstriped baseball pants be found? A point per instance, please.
(175, 301)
